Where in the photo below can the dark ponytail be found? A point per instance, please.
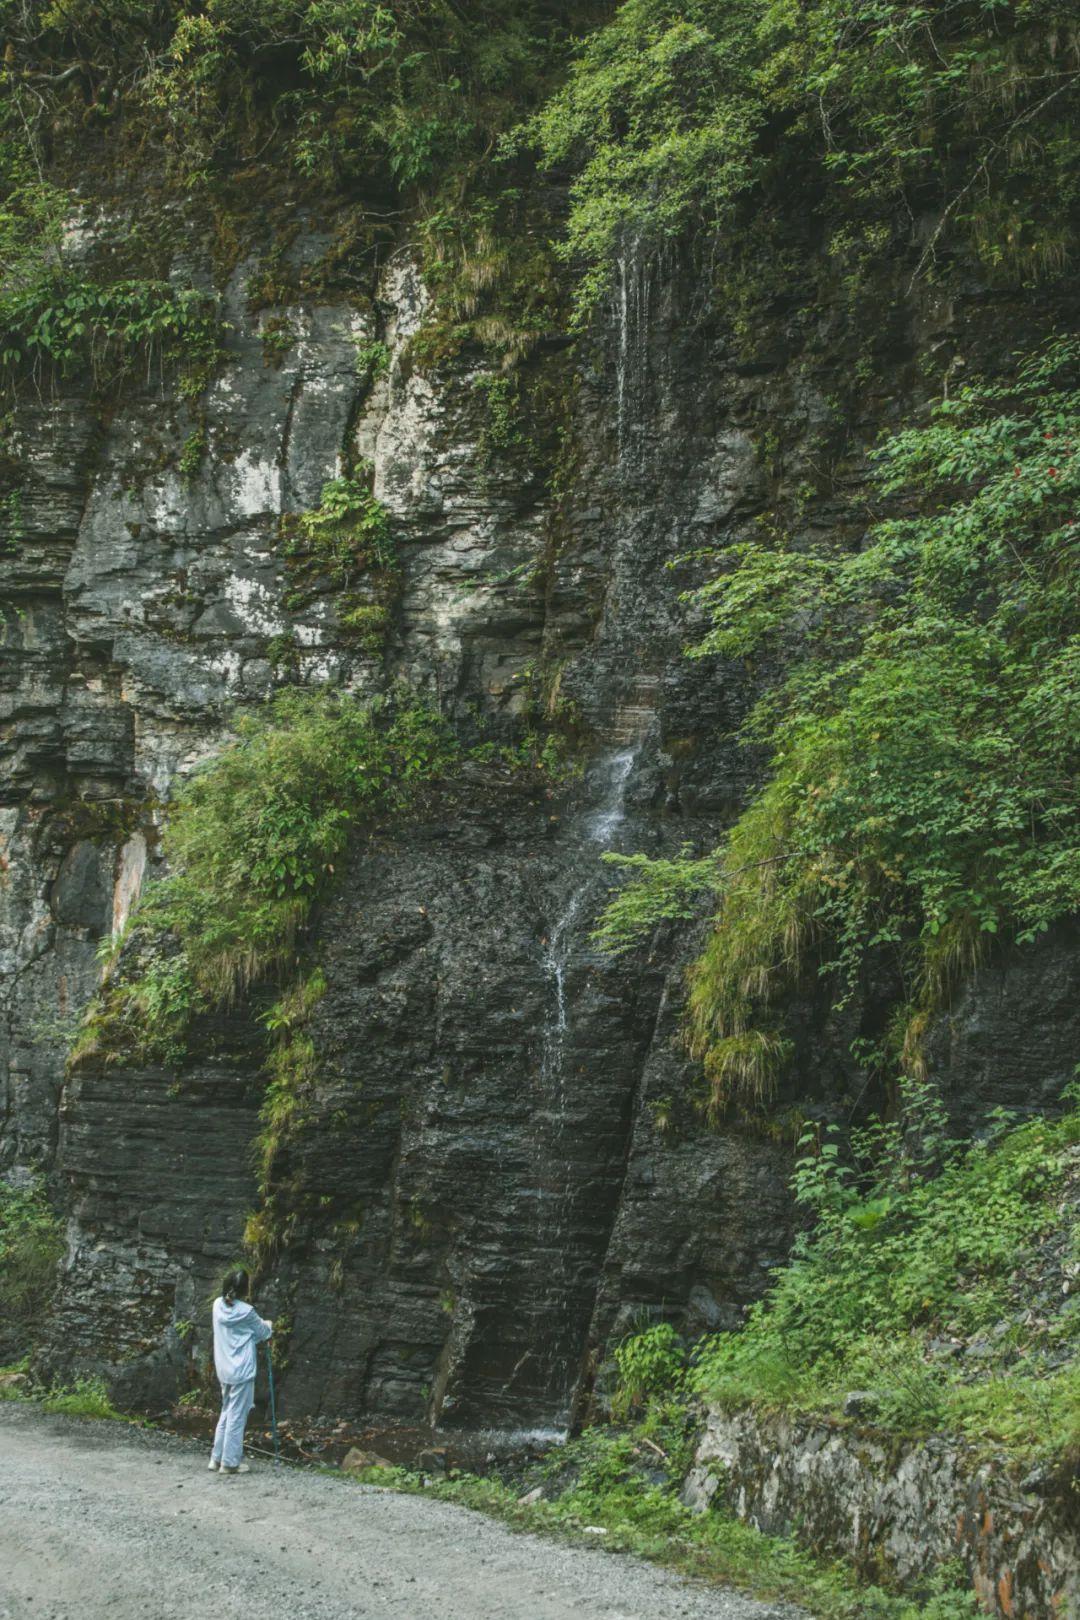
(235, 1285)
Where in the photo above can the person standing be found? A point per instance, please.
(237, 1330)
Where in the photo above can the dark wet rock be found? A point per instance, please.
(82, 893)
(1009, 1039)
(861, 1403)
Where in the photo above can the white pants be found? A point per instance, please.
(236, 1402)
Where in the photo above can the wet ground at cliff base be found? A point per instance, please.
(506, 1454)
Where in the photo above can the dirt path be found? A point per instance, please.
(98, 1520)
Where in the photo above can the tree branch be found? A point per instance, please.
(992, 151)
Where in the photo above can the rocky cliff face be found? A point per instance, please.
(504, 1162)
(905, 1508)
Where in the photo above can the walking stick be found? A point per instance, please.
(273, 1407)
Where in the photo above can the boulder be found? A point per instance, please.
(354, 1460)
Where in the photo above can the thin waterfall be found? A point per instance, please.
(635, 275)
(601, 825)
(604, 822)
(556, 1206)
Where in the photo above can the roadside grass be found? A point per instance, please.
(612, 1504)
(13, 1380)
(85, 1398)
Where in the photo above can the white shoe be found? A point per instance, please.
(241, 1468)
(213, 1466)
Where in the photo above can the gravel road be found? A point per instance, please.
(103, 1522)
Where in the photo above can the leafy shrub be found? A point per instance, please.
(649, 1364)
(64, 323)
(372, 359)
(916, 1237)
(347, 535)
(503, 427)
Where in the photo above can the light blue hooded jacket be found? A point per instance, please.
(237, 1330)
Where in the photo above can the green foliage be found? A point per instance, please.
(346, 536)
(668, 117)
(85, 1398)
(491, 270)
(503, 429)
(191, 456)
(372, 359)
(345, 543)
(923, 796)
(251, 840)
(277, 336)
(660, 891)
(872, 113)
(649, 1364)
(32, 214)
(292, 1070)
(31, 1244)
(61, 323)
(402, 103)
(349, 515)
(366, 623)
(916, 1239)
(56, 314)
(348, 89)
(661, 113)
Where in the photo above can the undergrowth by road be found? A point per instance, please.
(618, 1488)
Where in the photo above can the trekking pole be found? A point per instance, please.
(273, 1407)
